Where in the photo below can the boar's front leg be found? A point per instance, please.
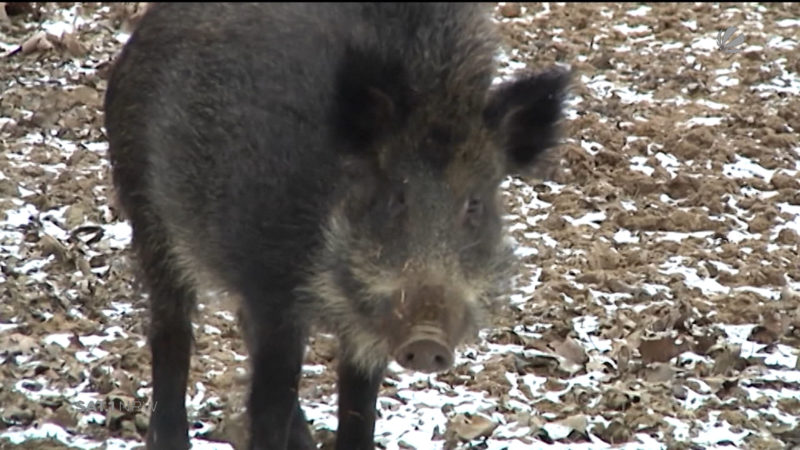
(358, 392)
(299, 434)
(276, 340)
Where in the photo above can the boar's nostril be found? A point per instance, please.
(425, 355)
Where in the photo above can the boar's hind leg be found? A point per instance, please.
(276, 339)
(171, 302)
(358, 392)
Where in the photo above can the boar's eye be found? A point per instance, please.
(473, 211)
(397, 203)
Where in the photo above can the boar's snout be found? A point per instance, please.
(426, 350)
(427, 322)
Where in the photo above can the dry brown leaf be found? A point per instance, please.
(51, 246)
(641, 420)
(791, 436)
(622, 355)
(578, 423)
(667, 321)
(679, 391)
(634, 339)
(615, 433)
(783, 180)
(759, 224)
(591, 277)
(507, 336)
(510, 9)
(72, 45)
(554, 385)
(18, 416)
(619, 286)
(64, 417)
(536, 344)
(37, 42)
(74, 215)
(603, 257)
(469, 427)
(599, 365)
(787, 236)
(730, 388)
(16, 343)
(536, 423)
(571, 351)
(615, 399)
(134, 14)
(538, 363)
(703, 343)
(660, 350)
(660, 373)
(772, 328)
(729, 358)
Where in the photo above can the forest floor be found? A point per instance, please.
(658, 306)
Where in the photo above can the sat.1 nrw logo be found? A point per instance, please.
(726, 44)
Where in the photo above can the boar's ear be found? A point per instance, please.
(524, 114)
(372, 99)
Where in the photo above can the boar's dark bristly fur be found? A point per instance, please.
(330, 164)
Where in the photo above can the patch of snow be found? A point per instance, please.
(782, 43)
(787, 23)
(668, 162)
(641, 11)
(626, 29)
(21, 216)
(704, 121)
(118, 234)
(711, 104)
(709, 286)
(62, 339)
(705, 43)
(7, 327)
(48, 430)
(524, 252)
(603, 88)
(591, 147)
(745, 168)
(624, 236)
(122, 37)
(544, 237)
(639, 163)
(590, 219)
(727, 81)
(672, 46)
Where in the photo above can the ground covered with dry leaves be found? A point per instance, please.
(658, 306)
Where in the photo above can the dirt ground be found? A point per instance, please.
(658, 306)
